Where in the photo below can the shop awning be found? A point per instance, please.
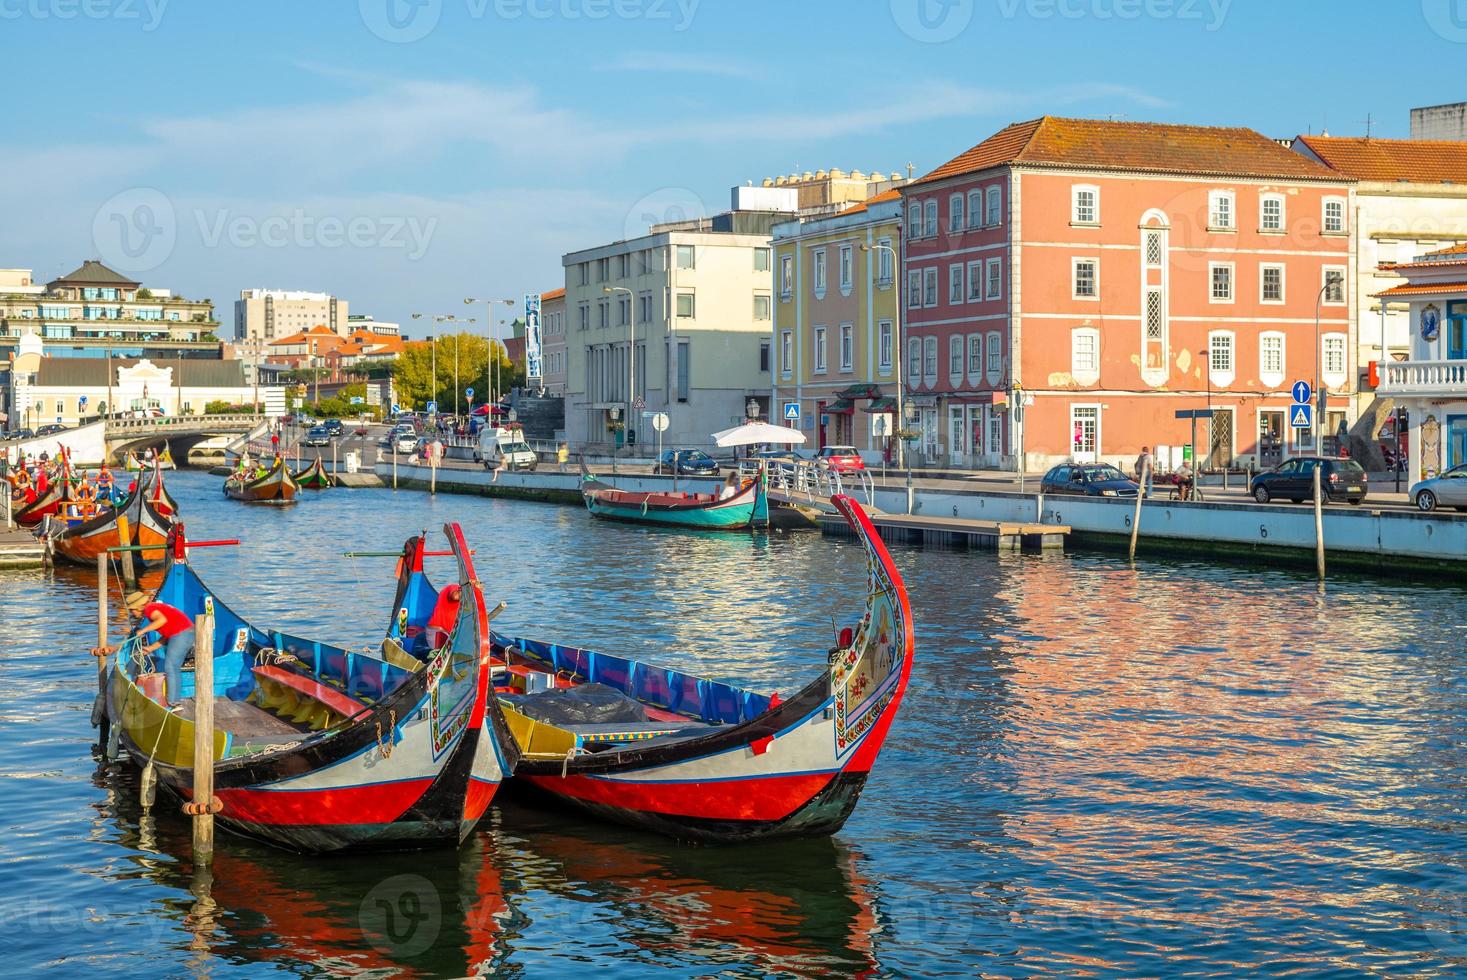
(857, 391)
(881, 405)
(843, 406)
(980, 398)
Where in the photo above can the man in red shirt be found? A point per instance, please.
(444, 618)
(176, 634)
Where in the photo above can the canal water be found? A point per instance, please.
(1100, 770)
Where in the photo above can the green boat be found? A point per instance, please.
(746, 508)
(314, 477)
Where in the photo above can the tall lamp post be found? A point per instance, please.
(899, 344)
(1330, 279)
(433, 391)
(631, 429)
(491, 366)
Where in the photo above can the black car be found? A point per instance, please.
(1088, 479)
(20, 434)
(692, 462)
(1339, 479)
(50, 430)
(333, 428)
(318, 436)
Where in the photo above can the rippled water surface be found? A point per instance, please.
(1100, 770)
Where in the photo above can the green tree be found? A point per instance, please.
(414, 379)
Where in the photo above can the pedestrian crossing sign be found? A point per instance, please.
(1301, 416)
(792, 411)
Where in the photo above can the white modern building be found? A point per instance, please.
(268, 314)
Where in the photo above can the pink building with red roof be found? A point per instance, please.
(1071, 284)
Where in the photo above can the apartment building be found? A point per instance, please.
(94, 306)
(552, 336)
(1072, 284)
(269, 314)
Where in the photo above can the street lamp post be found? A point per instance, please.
(491, 366)
(1330, 279)
(630, 435)
(899, 344)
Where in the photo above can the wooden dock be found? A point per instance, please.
(20, 548)
(958, 531)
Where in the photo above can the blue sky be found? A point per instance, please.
(405, 154)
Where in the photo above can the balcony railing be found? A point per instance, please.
(1405, 378)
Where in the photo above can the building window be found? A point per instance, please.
(975, 208)
(644, 308)
(955, 214)
(761, 260)
(914, 361)
(847, 273)
(1271, 212)
(914, 289)
(914, 219)
(585, 271)
(818, 258)
(684, 369)
(819, 350)
(995, 205)
(1085, 355)
(929, 360)
(975, 355)
(1152, 244)
(1334, 285)
(975, 281)
(995, 357)
(1085, 278)
(1334, 216)
(883, 346)
(1085, 205)
(1220, 210)
(603, 269)
(994, 268)
(929, 219)
(883, 261)
(685, 257)
(585, 317)
(1154, 339)
(1334, 357)
(1271, 359)
(761, 306)
(847, 347)
(1271, 283)
(1220, 359)
(764, 356)
(955, 284)
(1221, 276)
(685, 305)
(929, 287)
(955, 358)
(786, 352)
(786, 276)
(603, 314)
(623, 265)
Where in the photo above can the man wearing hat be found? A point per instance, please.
(175, 635)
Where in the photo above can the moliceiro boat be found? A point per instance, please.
(313, 477)
(318, 748)
(277, 486)
(149, 512)
(699, 759)
(746, 508)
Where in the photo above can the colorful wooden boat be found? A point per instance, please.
(747, 508)
(150, 517)
(58, 492)
(313, 477)
(163, 460)
(275, 487)
(319, 748)
(699, 759)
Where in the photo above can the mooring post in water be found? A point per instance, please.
(9, 511)
(1318, 522)
(124, 537)
(1140, 494)
(102, 619)
(394, 465)
(202, 807)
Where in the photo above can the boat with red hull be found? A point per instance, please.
(319, 748)
(701, 760)
(150, 512)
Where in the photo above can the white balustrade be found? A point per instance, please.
(1403, 378)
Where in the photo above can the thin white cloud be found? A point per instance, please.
(688, 64)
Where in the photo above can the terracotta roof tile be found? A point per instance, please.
(1100, 144)
(553, 294)
(891, 195)
(92, 271)
(1424, 289)
(1365, 158)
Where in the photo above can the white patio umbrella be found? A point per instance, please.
(752, 433)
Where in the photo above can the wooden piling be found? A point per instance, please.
(1140, 494)
(1318, 523)
(203, 818)
(101, 618)
(124, 537)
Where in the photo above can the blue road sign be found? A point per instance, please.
(1302, 416)
(432, 408)
(468, 393)
(396, 408)
(1302, 391)
(792, 411)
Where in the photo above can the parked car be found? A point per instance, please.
(1088, 479)
(691, 462)
(404, 442)
(318, 436)
(504, 447)
(20, 434)
(1447, 490)
(1339, 479)
(840, 459)
(334, 427)
(50, 430)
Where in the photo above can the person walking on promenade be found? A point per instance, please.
(562, 455)
(1144, 467)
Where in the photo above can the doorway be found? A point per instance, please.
(957, 436)
(1220, 439)
(1270, 438)
(1456, 441)
(1084, 433)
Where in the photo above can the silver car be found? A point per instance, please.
(1447, 490)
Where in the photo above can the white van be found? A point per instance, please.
(506, 444)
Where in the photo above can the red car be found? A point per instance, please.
(840, 459)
